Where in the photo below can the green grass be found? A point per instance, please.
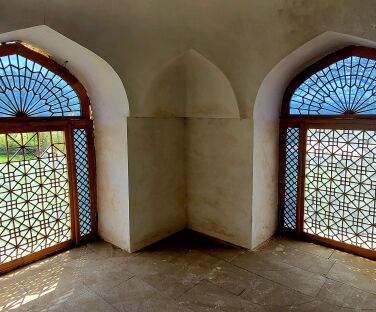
(4, 158)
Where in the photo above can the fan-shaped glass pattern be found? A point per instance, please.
(28, 89)
(347, 86)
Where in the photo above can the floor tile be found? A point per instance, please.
(319, 306)
(137, 295)
(87, 301)
(265, 292)
(254, 261)
(294, 257)
(107, 250)
(208, 297)
(311, 248)
(297, 279)
(346, 296)
(354, 277)
(363, 264)
(232, 278)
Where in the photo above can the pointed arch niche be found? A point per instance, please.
(266, 115)
(189, 155)
(110, 110)
(189, 85)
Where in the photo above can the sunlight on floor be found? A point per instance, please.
(29, 284)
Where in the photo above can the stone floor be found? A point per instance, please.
(189, 272)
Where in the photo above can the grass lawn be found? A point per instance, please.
(4, 158)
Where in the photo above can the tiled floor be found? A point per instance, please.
(189, 272)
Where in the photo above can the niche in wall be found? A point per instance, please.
(189, 134)
(189, 86)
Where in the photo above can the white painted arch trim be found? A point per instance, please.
(110, 110)
(266, 114)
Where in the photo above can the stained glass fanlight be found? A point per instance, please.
(347, 86)
(28, 89)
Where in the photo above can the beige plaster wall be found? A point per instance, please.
(156, 169)
(218, 166)
(189, 86)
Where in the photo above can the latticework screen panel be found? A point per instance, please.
(347, 86)
(28, 89)
(34, 193)
(83, 181)
(340, 199)
(291, 177)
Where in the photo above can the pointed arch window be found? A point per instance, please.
(47, 161)
(328, 152)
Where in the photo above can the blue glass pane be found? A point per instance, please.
(83, 181)
(347, 86)
(29, 89)
(291, 177)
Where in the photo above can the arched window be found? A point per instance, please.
(47, 163)
(327, 190)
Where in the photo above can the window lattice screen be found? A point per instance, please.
(291, 177)
(83, 181)
(340, 199)
(34, 193)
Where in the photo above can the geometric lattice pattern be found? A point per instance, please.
(34, 193)
(340, 186)
(29, 89)
(83, 181)
(347, 86)
(291, 177)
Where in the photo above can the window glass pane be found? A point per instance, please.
(347, 86)
(28, 89)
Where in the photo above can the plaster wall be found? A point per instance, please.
(218, 166)
(157, 172)
(189, 86)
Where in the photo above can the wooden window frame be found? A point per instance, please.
(66, 124)
(304, 122)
